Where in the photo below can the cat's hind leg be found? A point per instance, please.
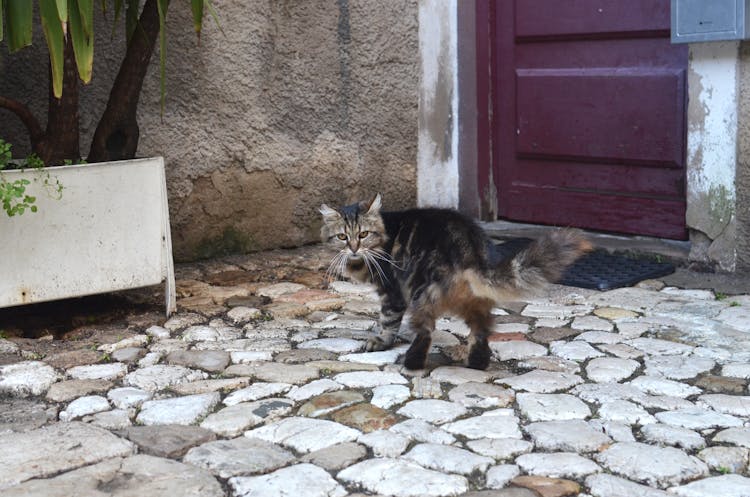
(479, 318)
(422, 323)
(391, 313)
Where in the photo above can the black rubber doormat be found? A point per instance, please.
(598, 270)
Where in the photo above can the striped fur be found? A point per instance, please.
(430, 262)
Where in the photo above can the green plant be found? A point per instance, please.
(13, 196)
(720, 295)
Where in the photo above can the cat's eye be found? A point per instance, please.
(364, 234)
(341, 236)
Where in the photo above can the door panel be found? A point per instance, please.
(589, 115)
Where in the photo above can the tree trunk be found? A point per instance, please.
(116, 136)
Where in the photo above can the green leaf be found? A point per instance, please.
(83, 40)
(62, 10)
(53, 32)
(18, 21)
(197, 6)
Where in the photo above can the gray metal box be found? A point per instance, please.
(709, 20)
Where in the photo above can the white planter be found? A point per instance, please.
(108, 232)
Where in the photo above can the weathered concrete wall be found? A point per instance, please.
(742, 179)
(301, 102)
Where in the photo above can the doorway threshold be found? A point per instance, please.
(676, 251)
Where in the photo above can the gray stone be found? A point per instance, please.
(656, 385)
(655, 466)
(386, 396)
(401, 478)
(369, 379)
(24, 415)
(550, 363)
(315, 481)
(27, 378)
(606, 485)
(677, 367)
(673, 435)
(499, 476)
(602, 393)
(600, 337)
(432, 410)
(180, 321)
(256, 391)
(274, 372)
(336, 345)
(171, 441)
(136, 341)
(65, 391)
(591, 323)
(725, 459)
(379, 358)
(127, 397)
(548, 407)
(481, 395)
(207, 386)
(157, 332)
(238, 457)
(623, 411)
(619, 432)
(210, 334)
(242, 314)
(304, 434)
(448, 459)
(111, 371)
(555, 311)
(557, 465)
(517, 350)
(213, 361)
(116, 419)
(337, 456)
(621, 350)
(48, 451)
(567, 436)
(232, 421)
(185, 410)
(734, 436)
(574, 351)
(426, 388)
(456, 375)
(725, 486)
(315, 387)
(385, 443)
(736, 405)
(128, 354)
(161, 376)
(657, 346)
(135, 475)
(542, 381)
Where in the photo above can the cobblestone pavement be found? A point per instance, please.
(259, 386)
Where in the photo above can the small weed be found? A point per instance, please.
(3, 334)
(734, 303)
(723, 470)
(720, 295)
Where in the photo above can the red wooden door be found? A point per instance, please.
(589, 115)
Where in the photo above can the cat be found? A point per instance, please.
(429, 262)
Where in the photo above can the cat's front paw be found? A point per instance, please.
(375, 344)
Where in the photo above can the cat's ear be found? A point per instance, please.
(375, 205)
(328, 213)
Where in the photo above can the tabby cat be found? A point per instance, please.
(429, 262)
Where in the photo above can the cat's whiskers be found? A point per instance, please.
(385, 257)
(336, 267)
(371, 259)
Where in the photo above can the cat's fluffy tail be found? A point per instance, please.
(543, 261)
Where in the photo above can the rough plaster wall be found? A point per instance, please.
(743, 163)
(302, 102)
(438, 174)
(712, 152)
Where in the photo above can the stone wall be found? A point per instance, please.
(296, 103)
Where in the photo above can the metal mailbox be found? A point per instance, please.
(709, 20)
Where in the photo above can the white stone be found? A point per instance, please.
(725, 459)
(698, 419)
(183, 321)
(548, 407)
(346, 323)
(556, 311)
(210, 334)
(517, 350)
(736, 370)
(621, 350)
(232, 421)
(127, 397)
(83, 406)
(432, 410)
(500, 476)
(488, 425)
(238, 457)
(385, 443)
(455, 326)
(599, 337)
(248, 356)
(539, 381)
(315, 387)
(304, 434)
(243, 314)
(677, 367)
(23, 379)
(336, 345)
(606, 485)
(399, 478)
(178, 410)
(315, 481)
(111, 371)
(619, 432)
(456, 375)
(550, 363)
(575, 350)
(657, 346)
(157, 332)
(116, 419)
(567, 436)
(369, 379)
(630, 329)
(610, 369)
(500, 448)
(601, 393)
(623, 411)
(482, 395)
(447, 459)
(656, 385)
(593, 323)
(426, 388)
(161, 376)
(655, 466)
(557, 465)
(349, 288)
(386, 396)
(422, 431)
(737, 405)
(510, 328)
(379, 358)
(673, 435)
(8, 347)
(256, 391)
(664, 402)
(134, 341)
(278, 289)
(150, 359)
(734, 436)
(724, 486)
(736, 317)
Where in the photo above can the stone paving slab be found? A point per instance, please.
(635, 392)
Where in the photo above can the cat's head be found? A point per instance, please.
(358, 232)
